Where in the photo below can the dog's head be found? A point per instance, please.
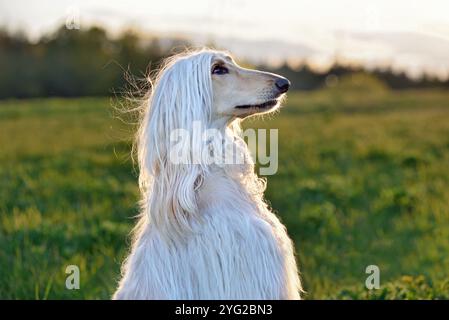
(239, 92)
(208, 85)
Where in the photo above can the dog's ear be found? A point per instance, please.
(180, 101)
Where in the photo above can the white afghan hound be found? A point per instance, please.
(205, 231)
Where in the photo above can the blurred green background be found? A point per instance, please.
(363, 173)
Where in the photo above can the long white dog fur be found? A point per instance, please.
(205, 231)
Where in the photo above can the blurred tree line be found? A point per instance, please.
(72, 63)
(305, 78)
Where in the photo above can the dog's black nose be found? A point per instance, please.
(282, 84)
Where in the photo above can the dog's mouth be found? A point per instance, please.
(266, 105)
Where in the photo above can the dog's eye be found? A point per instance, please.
(219, 70)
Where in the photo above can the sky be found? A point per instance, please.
(409, 35)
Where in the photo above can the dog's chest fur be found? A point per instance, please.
(237, 250)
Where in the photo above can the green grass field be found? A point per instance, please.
(363, 179)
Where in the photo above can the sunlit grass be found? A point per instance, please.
(362, 180)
